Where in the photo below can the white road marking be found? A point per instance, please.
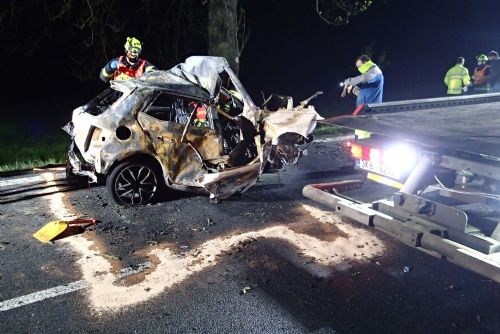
(38, 296)
(333, 139)
(7, 182)
(42, 295)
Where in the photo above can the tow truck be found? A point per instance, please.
(439, 163)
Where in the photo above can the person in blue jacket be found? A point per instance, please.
(369, 85)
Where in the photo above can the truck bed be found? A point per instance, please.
(466, 124)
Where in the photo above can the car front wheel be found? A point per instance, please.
(133, 183)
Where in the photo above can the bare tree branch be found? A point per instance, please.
(338, 12)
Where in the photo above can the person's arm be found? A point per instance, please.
(447, 78)
(466, 77)
(148, 67)
(108, 70)
(365, 77)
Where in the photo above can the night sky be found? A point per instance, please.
(292, 51)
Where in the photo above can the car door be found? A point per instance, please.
(181, 147)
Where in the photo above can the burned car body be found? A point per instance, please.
(140, 133)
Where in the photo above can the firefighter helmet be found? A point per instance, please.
(133, 45)
(482, 57)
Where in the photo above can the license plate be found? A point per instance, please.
(378, 168)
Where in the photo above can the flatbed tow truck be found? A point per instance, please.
(442, 156)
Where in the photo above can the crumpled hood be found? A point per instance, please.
(299, 120)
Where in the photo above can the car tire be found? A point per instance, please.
(134, 182)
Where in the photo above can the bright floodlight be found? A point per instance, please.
(401, 158)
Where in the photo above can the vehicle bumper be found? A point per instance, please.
(79, 167)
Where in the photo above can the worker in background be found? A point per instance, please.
(494, 76)
(369, 85)
(200, 119)
(457, 78)
(481, 72)
(128, 66)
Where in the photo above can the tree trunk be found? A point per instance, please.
(223, 31)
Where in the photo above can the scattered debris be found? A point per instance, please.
(210, 222)
(111, 257)
(245, 290)
(406, 269)
(59, 229)
(184, 246)
(152, 242)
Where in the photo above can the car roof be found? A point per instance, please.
(167, 82)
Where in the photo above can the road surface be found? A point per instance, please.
(269, 261)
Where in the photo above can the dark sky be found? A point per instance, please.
(292, 51)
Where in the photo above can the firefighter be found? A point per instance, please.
(369, 86)
(481, 72)
(457, 78)
(200, 119)
(128, 66)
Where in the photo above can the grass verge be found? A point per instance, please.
(22, 149)
(332, 130)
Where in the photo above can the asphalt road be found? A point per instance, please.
(269, 261)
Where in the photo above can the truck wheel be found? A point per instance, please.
(133, 182)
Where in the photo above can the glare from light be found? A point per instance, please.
(401, 158)
(375, 155)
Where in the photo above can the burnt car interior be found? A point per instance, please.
(101, 102)
(236, 132)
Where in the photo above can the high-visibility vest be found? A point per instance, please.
(201, 114)
(480, 75)
(456, 78)
(124, 72)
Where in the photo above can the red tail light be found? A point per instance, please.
(356, 151)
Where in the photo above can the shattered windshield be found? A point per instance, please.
(101, 102)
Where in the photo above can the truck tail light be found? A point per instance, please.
(356, 151)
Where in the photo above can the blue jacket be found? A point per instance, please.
(370, 84)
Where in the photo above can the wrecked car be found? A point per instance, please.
(141, 134)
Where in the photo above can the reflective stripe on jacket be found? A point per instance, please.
(117, 69)
(456, 78)
(124, 72)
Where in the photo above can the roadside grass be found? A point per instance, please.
(22, 150)
(331, 130)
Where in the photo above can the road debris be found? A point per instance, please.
(111, 257)
(406, 269)
(59, 229)
(3, 244)
(245, 290)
